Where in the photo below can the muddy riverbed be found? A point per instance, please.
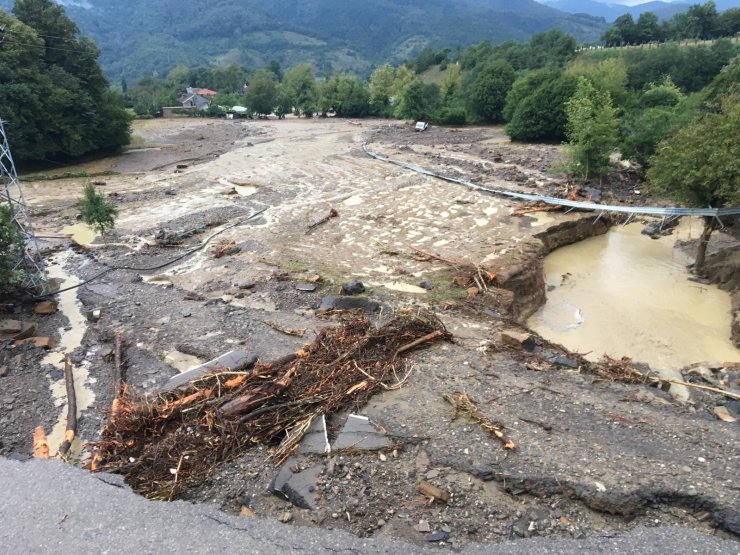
(592, 456)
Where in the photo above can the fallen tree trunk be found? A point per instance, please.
(69, 434)
(40, 443)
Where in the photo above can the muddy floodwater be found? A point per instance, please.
(626, 294)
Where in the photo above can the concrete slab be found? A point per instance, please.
(233, 361)
(316, 440)
(297, 487)
(359, 433)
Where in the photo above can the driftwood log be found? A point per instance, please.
(71, 430)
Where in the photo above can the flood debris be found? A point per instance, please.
(38, 342)
(463, 404)
(468, 276)
(297, 484)
(40, 443)
(332, 214)
(297, 332)
(225, 248)
(71, 430)
(518, 339)
(166, 444)
(233, 361)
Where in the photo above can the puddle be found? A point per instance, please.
(404, 288)
(181, 362)
(538, 219)
(70, 339)
(82, 234)
(625, 294)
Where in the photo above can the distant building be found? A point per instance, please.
(200, 99)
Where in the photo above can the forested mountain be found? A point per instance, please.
(145, 37)
(612, 10)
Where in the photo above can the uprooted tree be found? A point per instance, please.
(699, 165)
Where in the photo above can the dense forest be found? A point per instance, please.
(700, 21)
(145, 37)
(53, 94)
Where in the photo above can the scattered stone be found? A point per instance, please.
(724, 414)
(295, 485)
(426, 284)
(438, 536)
(307, 287)
(45, 307)
(731, 365)
(316, 440)
(246, 285)
(93, 315)
(233, 361)
(381, 456)
(518, 339)
(359, 433)
(3, 371)
(381, 523)
(10, 327)
(56, 374)
(285, 517)
(423, 527)
(353, 288)
(246, 511)
(432, 474)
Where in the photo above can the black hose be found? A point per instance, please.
(152, 268)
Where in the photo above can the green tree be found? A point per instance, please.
(284, 101)
(352, 98)
(487, 90)
(540, 116)
(262, 92)
(592, 130)
(95, 211)
(381, 90)
(302, 85)
(418, 101)
(647, 28)
(11, 249)
(623, 31)
(700, 165)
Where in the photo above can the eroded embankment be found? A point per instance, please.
(524, 276)
(723, 268)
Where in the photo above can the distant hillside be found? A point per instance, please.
(145, 37)
(611, 11)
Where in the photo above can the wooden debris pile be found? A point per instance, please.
(174, 441)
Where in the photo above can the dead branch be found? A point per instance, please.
(40, 443)
(464, 404)
(117, 375)
(332, 214)
(429, 337)
(71, 430)
(297, 332)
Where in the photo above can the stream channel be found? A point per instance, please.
(624, 294)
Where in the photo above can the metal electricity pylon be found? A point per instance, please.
(30, 261)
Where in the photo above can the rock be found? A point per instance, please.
(45, 307)
(3, 371)
(381, 523)
(724, 414)
(233, 360)
(93, 315)
(349, 303)
(731, 365)
(246, 511)
(39, 342)
(353, 288)
(426, 284)
(307, 287)
(428, 490)
(245, 285)
(438, 536)
(518, 339)
(359, 433)
(56, 374)
(285, 517)
(423, 527)
(594, 195)
(564, 361)
(10, 327)
(432, 474)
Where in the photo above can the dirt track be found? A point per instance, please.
(592, 457)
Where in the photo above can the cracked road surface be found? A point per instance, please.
(51, 507)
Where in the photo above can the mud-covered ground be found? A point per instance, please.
(592, 457)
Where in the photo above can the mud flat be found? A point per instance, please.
(593, 457)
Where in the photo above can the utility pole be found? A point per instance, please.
(30, 261)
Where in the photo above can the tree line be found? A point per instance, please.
(700, 21)
(53, 94)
